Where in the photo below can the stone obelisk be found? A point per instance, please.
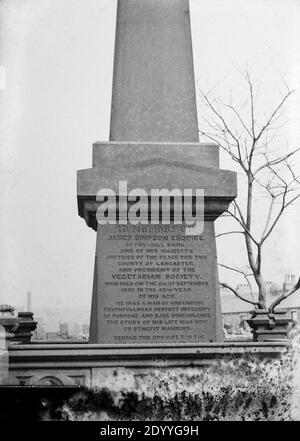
(153, 96)
(151, 284)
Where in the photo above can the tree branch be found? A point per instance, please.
(282, 209)
(245, 275)
(237, 294)
(275, 161)
(229, 232)
(268, 216)
(273, 114)
(284, 296)
(246, 231)
(251, 105)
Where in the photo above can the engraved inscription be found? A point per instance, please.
(155, 284)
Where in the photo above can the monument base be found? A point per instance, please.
(92, 364)
(174, 382)
(153, 282)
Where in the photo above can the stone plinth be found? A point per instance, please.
(270, 326)
(213, 381)
(87, 364)
(26, 327)
(19, 328)
(152, 283)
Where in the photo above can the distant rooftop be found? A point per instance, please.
(231, 303)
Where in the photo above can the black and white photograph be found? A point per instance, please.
(149, 214)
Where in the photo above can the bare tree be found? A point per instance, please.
(266, 170)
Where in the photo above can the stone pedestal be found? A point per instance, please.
(270, 326)
(8, 322)
(19, 328)
(153, 283)
(26, 327)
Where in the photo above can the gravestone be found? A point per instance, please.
(153, 284)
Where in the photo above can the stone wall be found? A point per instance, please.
(228, 381)
(239, 388)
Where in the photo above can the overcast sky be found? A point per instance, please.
(58, 57)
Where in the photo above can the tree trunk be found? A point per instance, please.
(262, 292)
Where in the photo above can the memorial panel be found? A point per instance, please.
(155, 284)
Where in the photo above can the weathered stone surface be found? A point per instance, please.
(200, 379)
(119, 153)
(41, 360)
(156, 285)
(158, 173)
(153, 87)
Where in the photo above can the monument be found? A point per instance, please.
(154, 283)
(155, 303)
